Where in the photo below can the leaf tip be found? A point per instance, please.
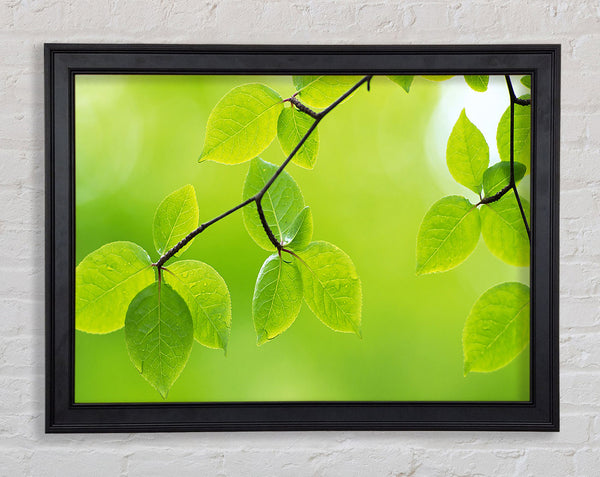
(421, 270)
(467, 368)
(262, 338)
(203, 157)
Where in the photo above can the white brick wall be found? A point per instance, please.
(26, 24)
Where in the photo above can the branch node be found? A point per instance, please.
(497, 196)
(302, 107)
(522, 102)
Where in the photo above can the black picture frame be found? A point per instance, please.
(63, 61)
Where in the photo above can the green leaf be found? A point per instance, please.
(299, 234)
(526, 81)
(497, 328)
(438, 77)
(503, 230)
(497, 177)
(467, 154)
(332, 289)
(448, 235)
(477, 82)
(207, 298)
(176, 216)
(291, 128)
(277, 298)
(159, 333)
(403, 80)
(522, 139)
(321, 91)
(281, 204)
(106, 281)
(242, 124)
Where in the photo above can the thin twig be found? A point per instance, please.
(302, 107)
(169, 254)
(522, 212)
(511, 182)
(265, 224)
(497, 196)
(258, 197)
(513, 99)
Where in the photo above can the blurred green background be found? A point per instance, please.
(381, 165)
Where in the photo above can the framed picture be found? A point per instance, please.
(299, 238)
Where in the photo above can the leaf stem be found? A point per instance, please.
(258, 197)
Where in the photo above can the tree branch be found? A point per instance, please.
(265, 224)
(258, 197)
(522, 212)
(303, 107)
(513, 101)
(497, 196)
(169, 254)
(511, 183)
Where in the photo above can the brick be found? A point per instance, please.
(164, 461)
(333, 15)
(591, 242)
(39, 16)
(587, 462)
(580, 389)
(580, 279)
(357, 462)
(471, 17)
(20, 395)
(15, 463)
(380, 17)
(580, 91)
(584, 54)
(22, 129)
(572, 241)
(22, 208)
(21, 354)
(21, 283)
(461, 462)
(580, 351)
(579, 311)
(547, 462)
(582, 203)
(90, 14)
(574, 429)
(62, 462)
(22, 317)
(21, 168)
(233, 16)
(574, 128)
(430, 17)
(593, 129)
